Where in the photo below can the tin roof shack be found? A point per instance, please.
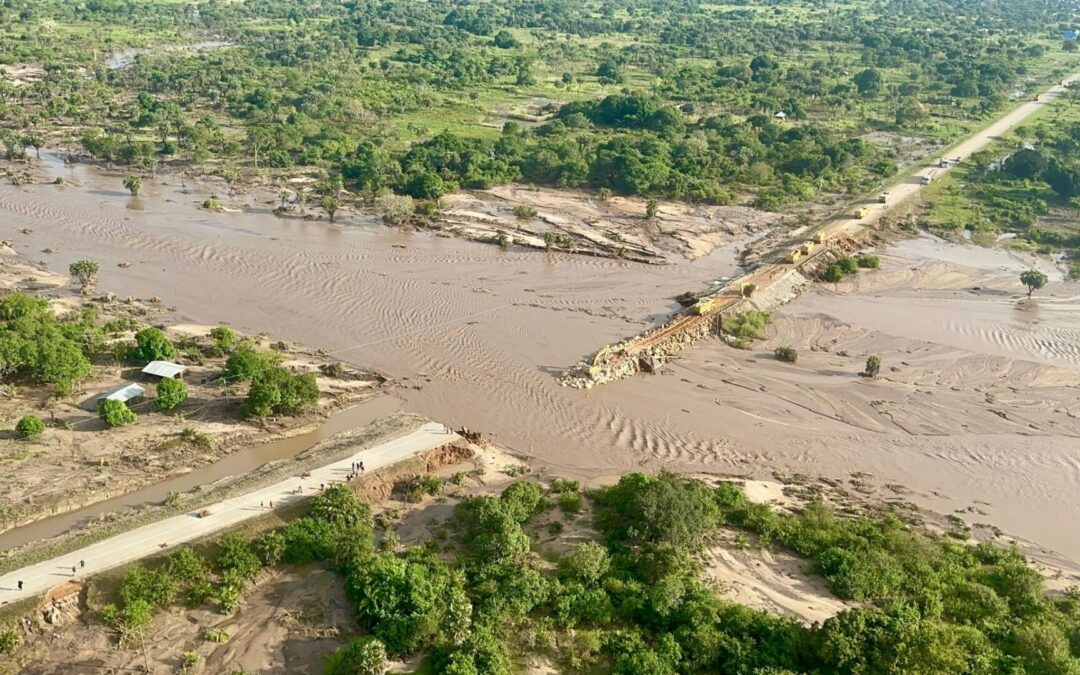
(165, 370)
(127, 393)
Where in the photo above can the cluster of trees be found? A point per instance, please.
(1011, 192)
(631, 145)
(37, 347)
(635, 602)
(273, 389)
(308, 85)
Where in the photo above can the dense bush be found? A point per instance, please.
(170, 393)
(29, 426)
(116, 413)
(152, 345)
(248, 363)
(276, 390)
(224, 338)
(749, 325)
(35, 346)
(786, 354)
(362, 656)
(638, 604)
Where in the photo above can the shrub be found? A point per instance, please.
(9, 640)
(170, 393)
(152, 345)
(786, 354)
(749, 325)
(833, 273)
(29, 426)
(524, 212)
(417, 487)
(224, 338)
(363, 656)
(870, 262)
(570, 502)
(873, 366)
(848, 265)
(116, 413)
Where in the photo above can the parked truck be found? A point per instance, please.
(928, 177)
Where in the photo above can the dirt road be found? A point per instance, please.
(150, 539)
(980, 140)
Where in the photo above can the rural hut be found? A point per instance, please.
(165, 370)
(126, 393)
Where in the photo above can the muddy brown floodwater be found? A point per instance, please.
(476, 335)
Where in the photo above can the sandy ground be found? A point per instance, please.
(618, 227)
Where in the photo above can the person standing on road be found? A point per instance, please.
(20, 585)
(82, 563)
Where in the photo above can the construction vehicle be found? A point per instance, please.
(862, 212)
(819, 237)
(793, 255)
(807, 247)
(928, 178)
(883, 198)
(704, 306)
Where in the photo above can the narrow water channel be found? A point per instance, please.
(235, 464)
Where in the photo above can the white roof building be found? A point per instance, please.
(780, 115)
(164, 369)
(124, 393)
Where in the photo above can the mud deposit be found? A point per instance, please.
(987, 426)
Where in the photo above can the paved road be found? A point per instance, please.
(153, 538)
(965, 149)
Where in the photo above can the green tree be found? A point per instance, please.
(152, 345)
(116, 413)
(331, 206)
(133, 184)
(662, 509)
(587, 563)
(84, 271)
(170, 393)
(247, 363)
(868, 81)
(29, 426)
(652, 207)
(1034, 280)
(276, 390)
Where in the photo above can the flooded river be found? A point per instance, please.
(476, 335)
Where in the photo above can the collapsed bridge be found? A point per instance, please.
(762, 289)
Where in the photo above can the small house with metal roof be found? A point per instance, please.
(125, 393)
(165, 369)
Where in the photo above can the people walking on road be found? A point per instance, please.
(361, 467)
(82, 563)
(20, 585)
(271, 503)
(73, 568)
